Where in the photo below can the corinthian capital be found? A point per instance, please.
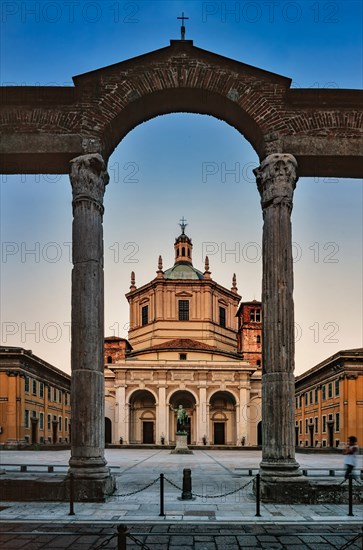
(276, 179)
(89, 177)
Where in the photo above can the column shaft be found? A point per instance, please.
(276, 180)
(88, 178)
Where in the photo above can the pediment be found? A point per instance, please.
(179, 53)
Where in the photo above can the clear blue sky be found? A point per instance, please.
(158, 171)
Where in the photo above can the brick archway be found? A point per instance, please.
(306, 132)
(45, 127)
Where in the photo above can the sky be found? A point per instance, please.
(180, 165)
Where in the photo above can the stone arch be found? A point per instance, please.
(142, 414)
(189, 401)
(190, 100)
(222, 418)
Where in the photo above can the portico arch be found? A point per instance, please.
(222, 418)
(142, 414)
(189, 402)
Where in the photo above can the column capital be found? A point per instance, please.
(89, 177)
(276, 179)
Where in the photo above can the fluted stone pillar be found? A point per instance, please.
(89, 178)
(276, 181)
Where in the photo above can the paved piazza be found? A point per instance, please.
(213, 473)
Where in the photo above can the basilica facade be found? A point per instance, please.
(191, 342)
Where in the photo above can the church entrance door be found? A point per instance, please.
(147, 432)
(219, 433)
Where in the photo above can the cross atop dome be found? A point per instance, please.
(183, 225)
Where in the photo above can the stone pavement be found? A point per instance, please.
(228, 521)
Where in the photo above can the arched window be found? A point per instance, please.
(183, 251)
(258, 339)
(109, 359)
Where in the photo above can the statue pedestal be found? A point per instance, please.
(181, 446)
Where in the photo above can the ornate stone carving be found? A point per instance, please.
(276, 179)
(89, 177)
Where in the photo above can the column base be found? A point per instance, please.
(88, 468)
(92, 489)
(271, 469)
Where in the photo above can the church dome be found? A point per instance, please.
(183, 270)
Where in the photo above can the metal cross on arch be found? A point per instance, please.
(182, 28)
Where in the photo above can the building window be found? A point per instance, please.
(34, 387)
(26, 418)
(222, 316)
(54, 394)
(144, 315)
(337, 422)
(306, 399)
(311, 397)
(330, 389)
(182, 356)
(66, 424)
(41, 389)
(255, 315)
(323, 392)
(60, 423)
(183, 310)
(41, 421)
(49, 393)
(66, 397)
(316, 395)
(258, 339)
(49, 423)
(26, 381)
(34, 413)
(301, 400)
(316, 425)
(296, 402)
(300, 426)
(306, 426)
(109, 360)
(258, 363)
(59, 396)
(324, 424)
(337, 387)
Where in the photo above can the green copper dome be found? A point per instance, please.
(183, 270)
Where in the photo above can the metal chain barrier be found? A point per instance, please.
(173, 484)
(210, 496)
(138, 542)
(105, 542)
(137, 490)
(350, 542)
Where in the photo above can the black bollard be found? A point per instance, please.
(161, 495)
(121, 537)
(350, 495)
(71, 495)
(258, 496)
(187, 485)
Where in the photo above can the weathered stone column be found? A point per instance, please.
(89, 178)
(276, 181)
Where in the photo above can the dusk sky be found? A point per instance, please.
(181, 165)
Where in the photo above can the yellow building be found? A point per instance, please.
(34, 400)
(182, 349)
(329, 401)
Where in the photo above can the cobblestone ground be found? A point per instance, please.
(44, 536)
